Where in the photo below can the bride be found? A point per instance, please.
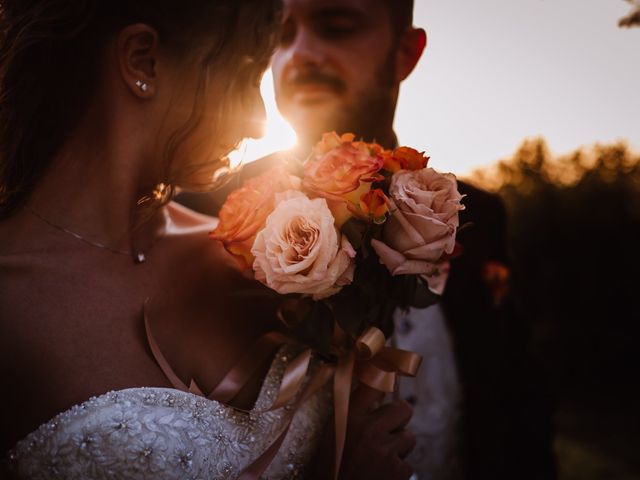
(105, 107)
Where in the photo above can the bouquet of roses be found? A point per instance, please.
(346, 236)
(341, 240)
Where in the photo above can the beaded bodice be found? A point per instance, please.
(163, 433)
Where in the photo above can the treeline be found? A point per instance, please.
(574, 237)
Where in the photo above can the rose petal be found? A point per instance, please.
(399, 231)
(415, 267)
(391, 258)
(428, 228)
(398, 264)
(431, 253)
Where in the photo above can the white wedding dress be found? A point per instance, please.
(436, 394)
(163, 433)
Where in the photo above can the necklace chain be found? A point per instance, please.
(138, 257)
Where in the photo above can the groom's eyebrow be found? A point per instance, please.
(331, 10)
(328, 13)
(337, 7)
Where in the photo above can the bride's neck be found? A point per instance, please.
(95, 182)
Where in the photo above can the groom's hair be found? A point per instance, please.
(401, 14)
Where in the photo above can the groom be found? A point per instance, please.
(478, 411)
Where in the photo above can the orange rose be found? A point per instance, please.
(341, 171)
(246, 209)
(404, 158)
(330, 141)
(374, 204)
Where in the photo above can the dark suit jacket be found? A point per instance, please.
(506, 410)
(507, 407)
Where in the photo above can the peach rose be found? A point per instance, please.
(245, 211)
(339, 166)
(330, 141)
(422, 226)
(301, 251)
(341, 171)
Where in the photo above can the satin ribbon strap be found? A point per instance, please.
(195, 389)
(292, 379)
(259, 465)
(342, 382)
(160, 358)
(236, 378)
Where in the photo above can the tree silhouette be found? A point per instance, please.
(633, 18)
(575, 241)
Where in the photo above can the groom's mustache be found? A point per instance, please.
(313, 77)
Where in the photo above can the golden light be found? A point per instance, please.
(278, 133)
(473, 97)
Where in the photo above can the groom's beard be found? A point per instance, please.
(369, 115)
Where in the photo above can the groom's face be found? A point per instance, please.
(334, 68)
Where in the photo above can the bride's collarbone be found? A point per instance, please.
(72, 328)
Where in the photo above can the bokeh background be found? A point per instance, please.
(539, 101)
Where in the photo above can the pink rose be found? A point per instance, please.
(422, 226)
(301, 251)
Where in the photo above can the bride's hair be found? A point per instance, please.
(51, 56)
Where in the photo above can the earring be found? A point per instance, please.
(143, 86)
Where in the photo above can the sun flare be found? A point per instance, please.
(278, 134)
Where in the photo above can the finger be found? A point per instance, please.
(403, 443)
(393, 416)
(365, 399)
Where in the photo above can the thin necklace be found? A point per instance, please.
(138, 257)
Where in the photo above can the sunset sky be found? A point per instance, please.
(498, 71)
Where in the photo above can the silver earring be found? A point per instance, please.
(143, 86)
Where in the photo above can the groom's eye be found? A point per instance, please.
(337, 26)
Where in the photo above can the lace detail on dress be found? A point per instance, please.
(162, 433)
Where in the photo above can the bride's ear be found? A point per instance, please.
(137, 47)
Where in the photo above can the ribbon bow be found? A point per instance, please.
(375, 365)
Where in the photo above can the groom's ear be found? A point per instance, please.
(137, 48)
(410, 47)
